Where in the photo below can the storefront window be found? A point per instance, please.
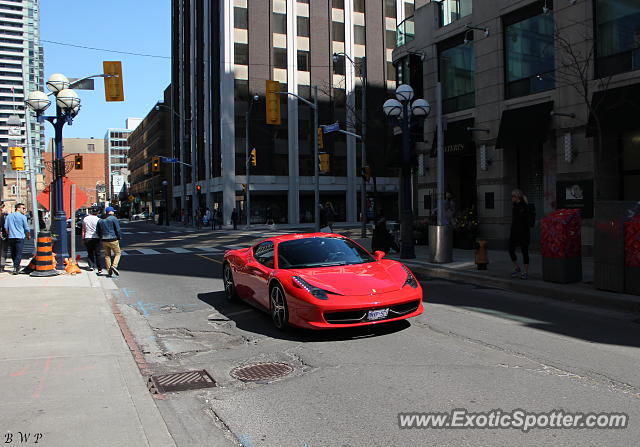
(452, 10)
(530, 56)
(618, 36)
(457, 75)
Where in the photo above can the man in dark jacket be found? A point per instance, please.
(4, 237)
(520, 234)
(109, 232)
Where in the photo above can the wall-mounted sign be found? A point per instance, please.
(576, 194)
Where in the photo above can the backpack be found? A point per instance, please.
(531, 214)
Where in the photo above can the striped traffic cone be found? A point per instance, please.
(45, 263)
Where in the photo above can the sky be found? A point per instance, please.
(135, 26)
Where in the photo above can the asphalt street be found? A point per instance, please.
(473, 348)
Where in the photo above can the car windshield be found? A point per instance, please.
(320, 252)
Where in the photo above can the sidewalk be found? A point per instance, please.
(497, 275)
(68, 376)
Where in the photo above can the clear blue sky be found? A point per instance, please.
(136, 26)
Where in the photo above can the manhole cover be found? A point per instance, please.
(261, 371)
(188, 380)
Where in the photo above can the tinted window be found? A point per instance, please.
(264, 254)
(320, 252)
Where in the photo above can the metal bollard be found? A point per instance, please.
(482, 255)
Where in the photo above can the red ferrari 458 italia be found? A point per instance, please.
(321, 281)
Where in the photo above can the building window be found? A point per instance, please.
(359, 35)
(303, 26)
(303, 60)
(241, 53)
(280, 58)
(241, 87)
(338, 4)
(529, 53)
(457, 75)
(618, 36)
(452, 10)
(409, 71)
(279, 23)
(91, 147)
(390, 9)
(240, 18)
(338, 65)
(391, 72)
(358, 6)
(390, 39)
(338, 31)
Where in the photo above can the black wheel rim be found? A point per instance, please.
(228, 281)
(278, 308)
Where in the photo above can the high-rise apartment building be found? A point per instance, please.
(116, 152)
(21, 71)
(225, 50)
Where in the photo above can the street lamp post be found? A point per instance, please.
(401, 109)
(67, 107)
(363, 134)
(253, 100)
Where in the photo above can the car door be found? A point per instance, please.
(259, 272)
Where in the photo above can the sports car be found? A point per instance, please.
(321, 281)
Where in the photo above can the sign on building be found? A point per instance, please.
(117, 183)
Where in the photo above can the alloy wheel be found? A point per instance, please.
(279, 312)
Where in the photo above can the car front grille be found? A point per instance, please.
(359, 316)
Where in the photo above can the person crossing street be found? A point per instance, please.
(92, 240)
(16, 225)
(108, 231)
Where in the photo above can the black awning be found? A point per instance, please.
(457, 139)
(524, 124)
(617, 109)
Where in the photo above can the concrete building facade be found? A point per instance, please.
(537, 95)
(116, 153)
(225, 50)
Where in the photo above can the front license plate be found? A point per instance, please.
(377, 314)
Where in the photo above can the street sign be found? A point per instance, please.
(331, 127)
(85, 84)
(169, 160)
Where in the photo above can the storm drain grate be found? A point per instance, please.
(189, 380)
(261, 371)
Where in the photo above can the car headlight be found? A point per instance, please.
(317, 292)
(411, 280)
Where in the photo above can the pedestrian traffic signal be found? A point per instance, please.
(252, 157)
(16, 155)
(78, 163)
(273, 102)
(320, 139)
(366, 173)
(113, 88)
(324, 163)
(155, 164)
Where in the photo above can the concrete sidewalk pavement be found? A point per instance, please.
(67, 375)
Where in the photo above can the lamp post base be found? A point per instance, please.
(441, 243)
(60, 239)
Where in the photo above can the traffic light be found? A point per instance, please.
(324, 162)
(252, 157)
(17, 158)
(155, 164)
(198, 189)
(366, 173)
(113, 88)
(273, 102)
(320, 139)
(78, 163)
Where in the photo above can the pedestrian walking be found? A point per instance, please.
(15, 224)
(92, 240)
(4, 237)
(382, 239)
(520, 234)
(234, 218)
(108, 230)
(208, 217)
(331, 214)
(217, 219)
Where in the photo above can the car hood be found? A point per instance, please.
(361, 279)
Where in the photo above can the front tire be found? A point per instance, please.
(229, 285)
(279, 309)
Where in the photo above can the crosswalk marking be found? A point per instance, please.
(143, 232)
(148, 251)
(179, 250)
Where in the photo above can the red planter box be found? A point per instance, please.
(632, 242)
(560, 235)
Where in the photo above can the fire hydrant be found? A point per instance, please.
(482, 255)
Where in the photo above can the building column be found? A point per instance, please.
(207, 88)
(227, 119)
(352, 201)
(293, 201)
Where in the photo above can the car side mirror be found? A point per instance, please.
(378, 255)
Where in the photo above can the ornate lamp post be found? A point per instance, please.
(67, 107)
(401, 110)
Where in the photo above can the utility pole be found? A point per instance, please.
(315, 160)
(363, 154)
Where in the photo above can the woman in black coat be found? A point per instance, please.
(520, 235)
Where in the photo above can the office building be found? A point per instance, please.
(116, 153)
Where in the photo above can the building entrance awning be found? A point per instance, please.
(524, 124)
(617, 110)
(457, 139)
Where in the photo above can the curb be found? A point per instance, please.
(596, 298)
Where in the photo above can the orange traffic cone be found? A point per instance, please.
(45, 262)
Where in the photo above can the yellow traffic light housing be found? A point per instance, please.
(273, 102)
(324, 163)
(252, 157)
(78, 162)
(16, 154)
(113, 87)
(155, 164)
(320, 139)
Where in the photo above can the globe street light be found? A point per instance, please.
(401, 109)
(67, 106)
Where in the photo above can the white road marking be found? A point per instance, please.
(148, 251)
(179, 250)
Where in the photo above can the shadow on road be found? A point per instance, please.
(589, 324)
(250, 319)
